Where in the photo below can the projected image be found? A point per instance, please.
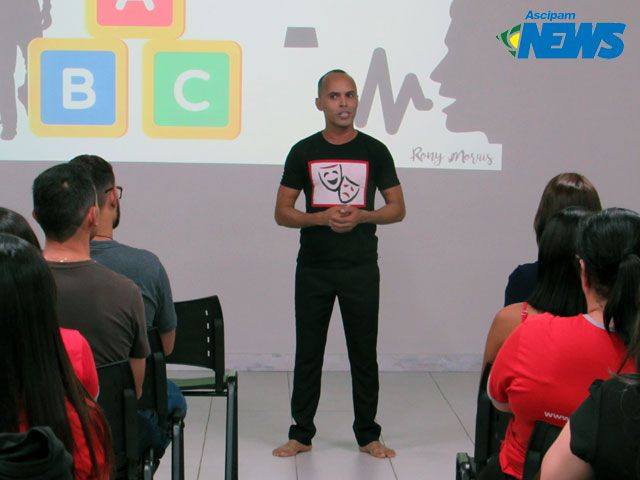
(193, 81)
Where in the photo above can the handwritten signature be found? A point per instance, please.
(458, 157)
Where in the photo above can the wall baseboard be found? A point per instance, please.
(339, 362)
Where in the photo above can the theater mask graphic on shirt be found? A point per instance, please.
(330, 176)
(348, 190)
(339, 182)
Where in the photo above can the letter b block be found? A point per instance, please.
(192, 89)
(78, 87)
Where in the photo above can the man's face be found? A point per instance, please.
(338, 100)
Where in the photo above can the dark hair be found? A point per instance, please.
(62, 195)
(15, 224)
(101, 173)
(609, 245)
(565, 190)
(330, 72)
(35, 372)
(558, 289)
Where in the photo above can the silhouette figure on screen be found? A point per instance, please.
(569, 111)
(20, 22)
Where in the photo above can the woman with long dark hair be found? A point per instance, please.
(558, 290)
(37, 383)
(544, 369)
(77, 347)
(564, 190)
(602, 437)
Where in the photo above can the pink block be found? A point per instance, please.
(134, 13)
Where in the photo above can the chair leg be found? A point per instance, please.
(231, 451)
(177, 449)
(147, 470)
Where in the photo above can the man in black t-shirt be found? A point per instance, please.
(339, 170)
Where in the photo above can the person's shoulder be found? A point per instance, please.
(524, 270)
(371, 141)
(140, 253)
(118, 281)
(307, 141)
(130, 261)
(509, 313)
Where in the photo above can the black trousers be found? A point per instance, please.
(357, 289)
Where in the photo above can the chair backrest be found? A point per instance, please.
(118, 401)
(200, 336)
(154, 389)
(543, 436)
(491, 424)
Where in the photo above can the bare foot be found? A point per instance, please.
(291, 448)
(378, 450)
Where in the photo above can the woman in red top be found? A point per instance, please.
(544, 369)
(37, 383)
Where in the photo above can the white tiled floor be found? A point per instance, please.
(426, 417)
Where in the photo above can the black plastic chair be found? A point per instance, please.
(154, 389)
(491, 425)
(118, 401)
(200, 342)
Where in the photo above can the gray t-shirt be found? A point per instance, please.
(104, 306)
(145, 269)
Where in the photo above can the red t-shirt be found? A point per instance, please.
(544, 370)
(81, 359)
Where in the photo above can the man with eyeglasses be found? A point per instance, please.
(141, 266)
(105, 307)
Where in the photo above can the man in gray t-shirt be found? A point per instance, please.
(141, 266)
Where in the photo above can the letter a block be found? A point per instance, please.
(192, 89)
(78, 88)
(136, 18)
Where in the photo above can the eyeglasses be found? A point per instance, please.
(117, 187)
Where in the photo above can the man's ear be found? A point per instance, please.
(318, 104)
(33, 215)
(93, 215)
(113, 198)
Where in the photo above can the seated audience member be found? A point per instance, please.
(39, 387)
(558, 290)
(141, 266)
(544, 369)
(602, 437)
(76, 345)
(564, 190)
(104, 306)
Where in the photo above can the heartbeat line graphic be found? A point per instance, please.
(379, 78)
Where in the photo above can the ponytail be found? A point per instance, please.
(622, 305)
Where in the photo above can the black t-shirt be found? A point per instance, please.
(605, 430)
(333, 175)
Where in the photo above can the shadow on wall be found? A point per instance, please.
(20, 22)
(542, 110)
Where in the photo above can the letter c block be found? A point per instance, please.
(192, 89)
